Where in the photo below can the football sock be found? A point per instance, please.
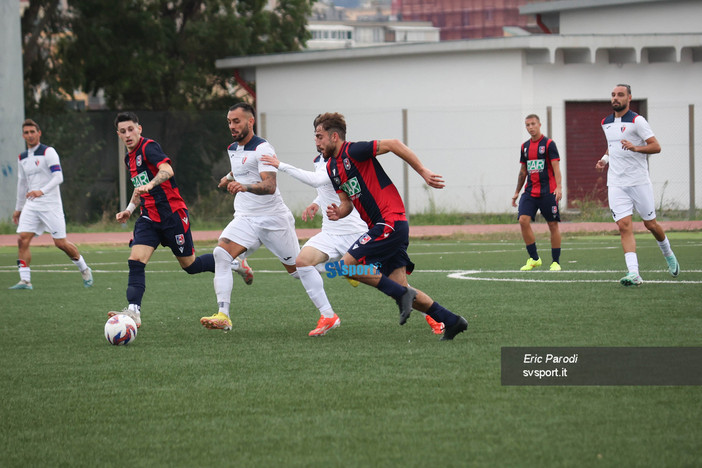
(136, 284)
(202, 263)
(632, 262)
(223, 279)
(80, 263)
(391, 288)
(531, 248)
(314, 285)
(556, 255)
(442, 314)
(295, 274)
(223, 307)
(25, 272)
(665, 247)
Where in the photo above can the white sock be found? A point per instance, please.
(135, 308)
(223, 279)
(295, 274)
(25, 274)
(632, 262)
(314, 285)
(80, 263)
(665, 247)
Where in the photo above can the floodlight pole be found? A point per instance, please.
(691, 112)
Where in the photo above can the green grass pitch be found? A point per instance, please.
(370, 393)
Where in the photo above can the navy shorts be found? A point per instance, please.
(547, 204)
(173, 232)
(384, 246)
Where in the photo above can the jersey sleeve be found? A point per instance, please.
(363, 150)
(265, 148)
(643, 128)
(313, 179)
(522, 154)
(154, 154)
(553, 151)
(21, 188)
(335, 180)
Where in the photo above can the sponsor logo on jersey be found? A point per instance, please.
(180, 240)
(140, 179)
(351, 187)
(535, 165)
(365, 239)
(185, 220)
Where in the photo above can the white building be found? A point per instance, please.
(465, 101)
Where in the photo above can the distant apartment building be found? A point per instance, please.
(465, 19)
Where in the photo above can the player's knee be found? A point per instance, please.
(221, 254)
(194, 268)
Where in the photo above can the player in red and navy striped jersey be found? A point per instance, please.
(540, 168)
(164, 218)
(361, 182)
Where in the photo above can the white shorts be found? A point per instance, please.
(623, 201)
(277, 233)
(334, 245)
(39, 222)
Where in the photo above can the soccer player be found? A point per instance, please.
(163, 216)
(361, 182)
(39, 207)
(629, 142)
(540, 167)
(261, 216)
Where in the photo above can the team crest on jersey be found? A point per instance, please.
(138, 160)
(365, 239)
(180, 239)
(623, 128)
(337, 180)
(36, 162)
(542, 149)
(347, 164)
(244, 159)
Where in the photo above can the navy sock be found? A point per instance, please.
(391, 288)
(442, 314)
(531, 248)
(202, 263)
(556, 254)
(136, 285)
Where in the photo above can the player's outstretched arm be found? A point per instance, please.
(124, 215)
(406, 154)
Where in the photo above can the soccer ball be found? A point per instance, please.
(120, 329)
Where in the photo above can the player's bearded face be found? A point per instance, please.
(620, 98)
(240, 134)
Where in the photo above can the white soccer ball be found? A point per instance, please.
(120, 329)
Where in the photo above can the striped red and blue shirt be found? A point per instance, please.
(357, 172)
(143, 162)
(537, 156)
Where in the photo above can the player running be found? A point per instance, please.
(361, 182)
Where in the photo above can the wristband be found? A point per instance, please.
(229, 176)
(131, 207)
(605, 158)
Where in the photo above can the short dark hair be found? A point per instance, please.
(245, 106)
(332, 122)
(30, 123)
(628, 88)
(126, 117)
(532, 116)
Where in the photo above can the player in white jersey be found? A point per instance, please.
(260, 215)
(39, 207)
(629, 142)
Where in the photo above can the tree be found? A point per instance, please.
(160, 54)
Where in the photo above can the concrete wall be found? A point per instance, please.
(11, 104)
(465, 116)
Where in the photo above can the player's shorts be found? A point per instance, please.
(384, 245)
(623, 201)
(547, 204)
(333, 245)
(277, 233)
(38, 222)
(171, 232)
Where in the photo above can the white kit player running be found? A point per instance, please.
(39, 207)
(261, 216)
(629, 142)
